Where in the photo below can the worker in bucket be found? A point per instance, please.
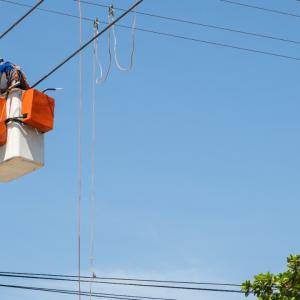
(11, 76)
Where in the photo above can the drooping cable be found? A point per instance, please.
(88, 43)
(101, 78)
(116, 56)
(21, 19)
(80, 126)
(96, 61)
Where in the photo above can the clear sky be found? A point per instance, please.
(197, 152)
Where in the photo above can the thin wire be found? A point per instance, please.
(102, 78)
(262, 8)
(163, 17)
(273, 54)
(87, 43)
(116, 56)
(217, 44)
(21, 19)
(278, 55)
(93, 143)
(80, 125)
(121, 279)
(169, 34)
(72, 292)
(184, 21)
(51, 11)
(126, 283)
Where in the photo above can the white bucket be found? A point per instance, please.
(24, 151)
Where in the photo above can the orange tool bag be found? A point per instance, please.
(3, 129)
(38, 110)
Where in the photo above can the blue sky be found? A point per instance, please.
(197, 151)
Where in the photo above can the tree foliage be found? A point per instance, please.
(284, 286)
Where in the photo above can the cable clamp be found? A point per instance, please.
(96, 24)
(111, 11)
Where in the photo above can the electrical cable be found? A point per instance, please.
(73, 292)
(171, 35)
(21, 19)
(8, 274)
(166, 18)
(12, 274)
(262, 8)
(80, 126)
(184, 21)
(102, 78)
(96, 63)
(163, 286)
(133, 27)
(87, 43)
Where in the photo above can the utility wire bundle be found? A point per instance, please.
(188, 38)
(190, 286)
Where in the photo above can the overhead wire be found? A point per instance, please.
(280, 12)
(21, 19)
(229, 29)
(86, 44)
(255, 34)
(132, 284)
(176, 36)
(8, 274)
(74, 292)
(200, 24)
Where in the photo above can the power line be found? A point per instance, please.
(123, 279)
(88, 42)
(73, 292)
(199, 24)
(224, 45)
(163, 286)
(21, 19)
(262, 8)
(56, 12)
(255, 34)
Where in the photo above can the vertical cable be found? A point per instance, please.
(93, 145)
(80, 150)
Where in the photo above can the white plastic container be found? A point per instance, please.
(24, 151)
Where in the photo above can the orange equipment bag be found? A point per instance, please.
(38, 110)
(3, 129)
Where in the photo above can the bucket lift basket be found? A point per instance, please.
(24, 118)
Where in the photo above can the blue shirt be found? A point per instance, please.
(6, 67)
